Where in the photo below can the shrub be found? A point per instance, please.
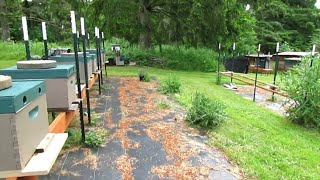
(171, 85)
(204, 112)
(74, 138)
(95, 138)
(144, 76)
(302, 84)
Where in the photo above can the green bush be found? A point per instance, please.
(171, 85)
(302, 84)
(95, 138)
(204, 112)
(144, 76)
(173, 57)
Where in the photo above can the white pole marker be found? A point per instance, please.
(88, 36)
(313, 50)
(97, 32)
(102, 35)
(219, 46)
(73, 22)
(78, 35)
(278, 47)
(44, 31)
(234, 46)
(259, 47)
(83, 31)
(25, 28)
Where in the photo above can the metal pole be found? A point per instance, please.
(45, 40)
(88, 41)
(255, 81)
(98, 58)
(75, 46)
(105, 64)
(26, 37)
(232, 65)
(85, 68)
(100, 54)
(276, 68)
(218, 71)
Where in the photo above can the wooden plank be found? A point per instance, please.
(62, 121)
(44, 144)
(261, 87)
(40, 163)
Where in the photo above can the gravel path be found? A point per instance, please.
(148, 139)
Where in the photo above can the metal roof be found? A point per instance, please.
(260, 55)
(299, 54)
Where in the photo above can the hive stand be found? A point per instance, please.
(41, 163)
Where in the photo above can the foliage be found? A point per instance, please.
(302, 84)
(74, 138)
(171, 85)
(95, 138)
(144, 76)
(205, 112)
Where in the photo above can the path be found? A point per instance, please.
(148, 139)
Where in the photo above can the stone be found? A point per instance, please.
(5, 82)
(36, 64)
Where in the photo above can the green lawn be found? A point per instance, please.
(263, 143)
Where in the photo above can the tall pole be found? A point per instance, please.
(83, 33)
(78, 38)
(26, 37)
(255, 81)
(88, 40)
(105, 65)
(219, 61)
(311, 64)
(45, 40)
(276, 68)
(98, 57)
(75, 46)
(232, 65)
(100, 54)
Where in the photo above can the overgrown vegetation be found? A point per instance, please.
(302, 84)
(170, 85)
(143, 75)
(205, 112)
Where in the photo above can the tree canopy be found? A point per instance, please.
(194, 23)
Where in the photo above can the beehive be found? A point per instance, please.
(94, 51)
(23, 122)
(68, 58)
(60, 82)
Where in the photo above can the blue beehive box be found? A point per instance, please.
(60, 82)
(23, 122)
(70, 59)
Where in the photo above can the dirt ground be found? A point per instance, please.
(264, 98)
(148, 139)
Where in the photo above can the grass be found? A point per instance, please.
(264, 144)
(11, 52)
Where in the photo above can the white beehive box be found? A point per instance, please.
(23, 122)
(60, 81)
(68, 58)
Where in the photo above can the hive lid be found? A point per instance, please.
(21, 93)
(72, 54)
(5, 82)
(61, 71)
(36, 64)
(70, 58)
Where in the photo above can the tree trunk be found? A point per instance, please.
(4, 23)
(144, 17)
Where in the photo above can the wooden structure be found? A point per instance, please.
(265, 64)
(41, 163)
(267, 87)
(288, 59)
